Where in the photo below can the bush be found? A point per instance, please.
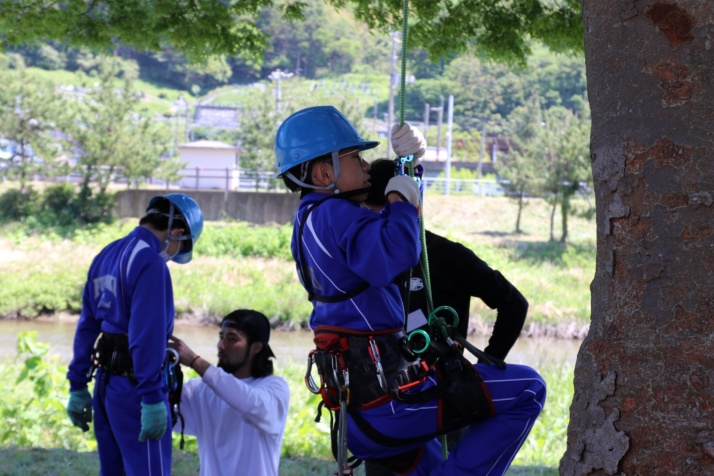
(33, 407)
(95, 209)
(59, 206)
(17, 206)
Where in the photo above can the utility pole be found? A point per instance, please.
(450, 122)
(439, 118)
(392, 84)
(277, 76)
(375, 110)
(426, 121)
(480, 159)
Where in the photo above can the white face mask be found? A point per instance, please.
(165, 254)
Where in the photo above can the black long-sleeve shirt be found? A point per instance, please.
(457, 274)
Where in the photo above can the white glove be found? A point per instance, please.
(405, 186)
(408, 140)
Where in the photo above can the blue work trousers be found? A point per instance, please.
(117, 424)
(486, 448)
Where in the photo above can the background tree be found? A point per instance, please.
(522, 169)
(29, 112)
(259, 123)
(108, 137)
(565, 145)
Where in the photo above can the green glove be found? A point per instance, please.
(79, 408)
(153, 421)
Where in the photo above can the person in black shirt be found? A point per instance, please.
(456, 275)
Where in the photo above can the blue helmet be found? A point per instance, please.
(313, 132)
(189, 210)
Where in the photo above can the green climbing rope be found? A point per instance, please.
(424, 260)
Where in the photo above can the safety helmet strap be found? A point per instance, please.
(332, 186)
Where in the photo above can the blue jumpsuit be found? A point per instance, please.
(344, 245)
(128, 291)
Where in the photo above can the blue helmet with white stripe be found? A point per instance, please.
(184, 208)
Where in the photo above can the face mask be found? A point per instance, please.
(165, 254)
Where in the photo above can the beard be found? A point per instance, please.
(231, 367)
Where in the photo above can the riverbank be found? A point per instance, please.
(477, 326)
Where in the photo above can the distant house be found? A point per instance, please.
(210, 165)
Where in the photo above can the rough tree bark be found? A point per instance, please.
(644, 378)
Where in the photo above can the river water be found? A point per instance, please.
(288, 346)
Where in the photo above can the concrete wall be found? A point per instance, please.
(254, 207)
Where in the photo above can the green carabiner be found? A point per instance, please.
(445, 308)
(426, 338)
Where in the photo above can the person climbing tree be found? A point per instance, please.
(391, 399)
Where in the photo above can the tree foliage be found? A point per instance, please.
(107, 137)
(504, 31)
(29, 111)
(198, 28)
(549, 157)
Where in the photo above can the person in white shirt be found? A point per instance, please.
(237, 409)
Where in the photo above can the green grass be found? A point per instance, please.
(36, 437)
(156, 100)
(363, 89)
(42, 270)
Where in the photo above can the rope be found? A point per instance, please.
(424, 260)
(405, 31)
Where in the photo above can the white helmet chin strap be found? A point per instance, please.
(332, 186)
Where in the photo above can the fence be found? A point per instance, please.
(236, 179)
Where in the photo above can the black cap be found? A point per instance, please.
(380, 172)
(253, 323)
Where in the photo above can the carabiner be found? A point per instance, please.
(427, 340)
(376, 358)
(172, 362)
(309, 380)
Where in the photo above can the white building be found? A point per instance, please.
(209, 165)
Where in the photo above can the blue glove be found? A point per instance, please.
(79, 408)
(153, 421)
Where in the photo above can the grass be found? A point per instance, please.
(59, 462)
(36, 437)
(42, 270)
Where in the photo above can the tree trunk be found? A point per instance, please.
(552, 216)
(564, 212)
(520, 210)
(644, 383)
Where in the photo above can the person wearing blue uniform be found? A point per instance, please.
(122, 333)
(390, 403)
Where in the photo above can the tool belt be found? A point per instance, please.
(111, 352)
(365, 369)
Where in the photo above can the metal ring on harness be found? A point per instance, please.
(427, 340)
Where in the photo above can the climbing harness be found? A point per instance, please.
(111, 353)
(363, 369)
